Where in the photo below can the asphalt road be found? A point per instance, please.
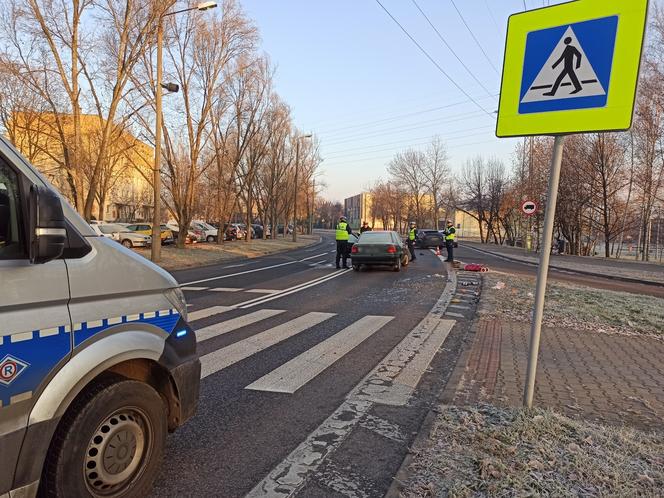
(290, 347)
(497, 264)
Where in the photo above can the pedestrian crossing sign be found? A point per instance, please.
(571, 68)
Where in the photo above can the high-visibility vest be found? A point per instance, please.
(342, 231)
(411, 234)
(450, 233)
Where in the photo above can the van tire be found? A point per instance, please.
(112, 410)
(210, 239)
(127, 243)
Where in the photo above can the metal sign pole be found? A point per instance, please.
(536, 328)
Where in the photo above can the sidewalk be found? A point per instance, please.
(598, 424)
(639, 270)
(605, 378)
(601, 353)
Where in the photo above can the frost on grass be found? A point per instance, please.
(488, 451)
(574, 307)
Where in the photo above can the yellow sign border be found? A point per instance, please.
(618, 112)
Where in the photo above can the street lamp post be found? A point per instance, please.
(297, 170)
(155, 252)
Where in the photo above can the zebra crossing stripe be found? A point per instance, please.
(289, 475)
(294, 374)
(234, 323)
(194, 288)
(204, 313)
(225, 357)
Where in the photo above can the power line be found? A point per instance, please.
(401, 147)
(410, 140)
(378, 158)
(473, 35)
(442, 38)
(380, 133)
(396, 117)
(433, 61)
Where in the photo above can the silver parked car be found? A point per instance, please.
(125, 236)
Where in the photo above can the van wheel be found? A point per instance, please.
(109, 443)
(127, 243)
(210, 239)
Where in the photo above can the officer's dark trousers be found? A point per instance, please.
(449, 245)
(342, 251)
(411, 248)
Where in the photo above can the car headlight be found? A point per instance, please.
(175, 296)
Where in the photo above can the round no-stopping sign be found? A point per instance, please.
(529, 208)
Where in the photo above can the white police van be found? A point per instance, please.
(97, 362)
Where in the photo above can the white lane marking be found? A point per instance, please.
(408, 379)
(289, 290)
(236, 266)
(194, 288)
(289, 475)
(312, 257)
(205, 312)
(299, 288)
(234, 324)
(250, 271)
(456, 315)
(222, 358)
(225, 289)
(294, 374)
(262, 291)
(215, 310)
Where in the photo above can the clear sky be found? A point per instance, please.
(352, 77)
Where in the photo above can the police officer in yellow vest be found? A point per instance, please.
(450, 235)
(412, 235)
(342, 235)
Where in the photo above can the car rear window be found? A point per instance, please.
(375, 238)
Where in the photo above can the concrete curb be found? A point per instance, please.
(399, 479)
(562, 268)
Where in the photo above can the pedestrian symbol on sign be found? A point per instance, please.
(568, 67)
(569, 54)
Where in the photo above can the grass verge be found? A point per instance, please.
(575, 307)
(194, 255)
(488, 451)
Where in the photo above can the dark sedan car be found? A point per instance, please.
(428, 238)
(379, 248)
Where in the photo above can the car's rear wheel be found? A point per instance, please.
(127, 243)
(110, 443)
(397, 265)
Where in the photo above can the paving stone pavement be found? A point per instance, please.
(612, 379)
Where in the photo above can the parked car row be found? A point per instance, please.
(140, 234)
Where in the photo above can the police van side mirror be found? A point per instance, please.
(47, 226)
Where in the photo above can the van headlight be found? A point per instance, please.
(176, 297)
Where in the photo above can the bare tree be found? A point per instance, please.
(436, 172)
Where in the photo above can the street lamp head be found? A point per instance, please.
(171, 87)
(206, 5)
